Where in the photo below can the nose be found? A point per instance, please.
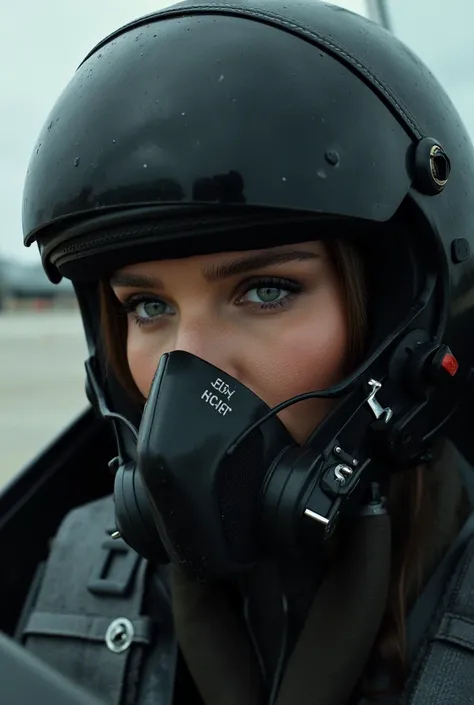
(210, 341)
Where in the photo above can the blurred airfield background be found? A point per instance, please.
(42, 353)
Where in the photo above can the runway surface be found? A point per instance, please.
(41, 381)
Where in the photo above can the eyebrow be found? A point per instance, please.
(244, 265)
(213, 273)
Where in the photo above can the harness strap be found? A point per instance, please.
(87, 621)
(445, 672)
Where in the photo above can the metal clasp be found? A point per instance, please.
(375, 405)
(342, 473)
(119, 635)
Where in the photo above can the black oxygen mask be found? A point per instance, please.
(206, 492)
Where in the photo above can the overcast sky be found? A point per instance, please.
(42, 42)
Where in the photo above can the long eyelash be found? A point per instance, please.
(132, 301)
(275, 304)
(278, 283)
(139, 321)
(129, 305)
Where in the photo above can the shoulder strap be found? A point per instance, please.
(426, 607)
(424, 613)
(445, 672)
(87, 621)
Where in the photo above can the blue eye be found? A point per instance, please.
(151, 309)
(146, 310)
(266, 295)
(269, 292)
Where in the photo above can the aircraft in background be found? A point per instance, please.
(20, 281)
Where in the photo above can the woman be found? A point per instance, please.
(269, 207)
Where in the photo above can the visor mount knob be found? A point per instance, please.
(432, 167)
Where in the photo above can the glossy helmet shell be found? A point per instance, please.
(213, 126)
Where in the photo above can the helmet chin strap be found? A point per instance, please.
(335, 392)
(96, 391)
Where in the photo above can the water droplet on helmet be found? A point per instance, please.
(283, 178)
(77, 161)
(145, 166)
(322, 174)
(332, 157)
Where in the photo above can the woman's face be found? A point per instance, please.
(273, 318)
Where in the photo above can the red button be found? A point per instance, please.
(450, 364)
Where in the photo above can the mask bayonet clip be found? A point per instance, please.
(377, 409)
